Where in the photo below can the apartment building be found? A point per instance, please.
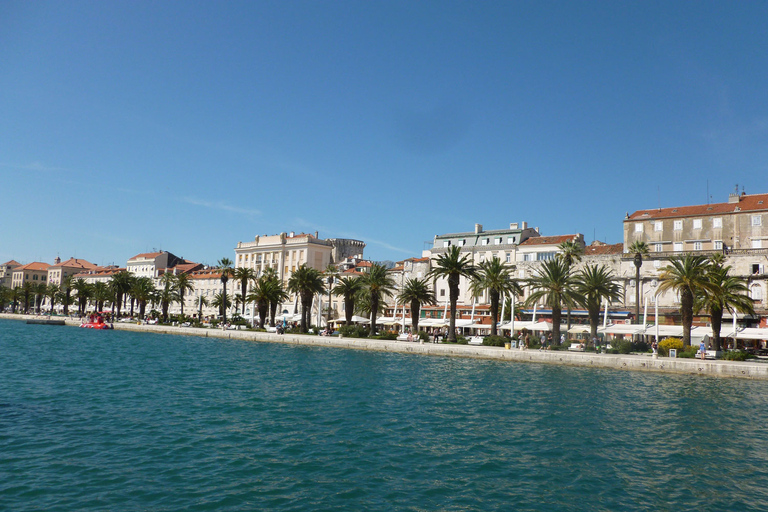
(35, 272)
(61, 269)
(6, 271)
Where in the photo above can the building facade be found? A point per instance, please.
(61, 269)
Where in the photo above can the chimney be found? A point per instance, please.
(733, 198)
(292, 234)
(478, 228)
(316, 233)
(524, 225)
(513, 225)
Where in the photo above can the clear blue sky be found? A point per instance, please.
(190, 126)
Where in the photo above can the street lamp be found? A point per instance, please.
(330, 285)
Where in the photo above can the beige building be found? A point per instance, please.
(61, 269)
(35, 272)
(6, 271)
(152, 264)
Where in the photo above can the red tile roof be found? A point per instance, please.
(12, 262)
(208, 273)
(603, 249)
(75, 263)
(35, 265)
(747, 203)
(549, 240)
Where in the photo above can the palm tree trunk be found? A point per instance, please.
(374, 312)
(415, 308)
(717, 322)
(686, 314)
(494, 312)
(453, 291)
(557, 313)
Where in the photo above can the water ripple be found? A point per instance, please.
(128, 421)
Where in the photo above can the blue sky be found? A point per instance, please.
(190, 126)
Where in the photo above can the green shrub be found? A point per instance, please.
(495, 341)
(623, 347)
(423, 336)
(387, 336)
(737, 355)
(354, 331)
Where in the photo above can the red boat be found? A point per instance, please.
(95, 322)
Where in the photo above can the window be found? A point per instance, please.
(718, 245)
(696, 246)
(509, 257)
(639, 227)
(717, 222)
(678, 246)
(659, 247)
(442, 292)
(511, 240)
(447, 243)
(757, 220)
(484, 241)
(756, 292)
(757, 244)
(658, 226)
(528, 257)
(678, 225)
(497, 241)
(462, 242)
(545, 256)
(696, 223)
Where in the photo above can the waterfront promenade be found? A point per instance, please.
(640, 362)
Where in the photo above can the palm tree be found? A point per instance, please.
(376, 283)
(305, 282)
(221, 301)
(417, 293)
(452, 266)
(496, 278)
(66, 285)
(554, 284)
(40, 290)
(182, 286)
(168, 293)
(686, 275)
(143, 290)
(15, 297)
(83, 291)
(244, 275)
(101, 292)
(595, 284)
(121, 283)
(51, 292)
(348, 287)
(4, 297)
(570, 252)
(275, 292)
(200, 302)
(640, 249)
(726, 293)
(225, 267)
(260, 298)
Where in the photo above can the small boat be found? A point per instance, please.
(96, 322)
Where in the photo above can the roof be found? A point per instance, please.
(12, 262)
(99, 271)
(75, 263)
(746, 203)
(146, 256)
(35, 265)
(603, 249)
(208, 273)
(549, 240)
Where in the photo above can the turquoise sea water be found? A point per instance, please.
(125, 421)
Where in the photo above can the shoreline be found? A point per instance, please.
(643, 363)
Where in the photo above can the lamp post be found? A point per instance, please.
(330, 285)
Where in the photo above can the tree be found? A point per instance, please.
(570, 252)
(225, 267)
(686, 275)
(452, 266)
(83, 291)
(275, 292)
(66, 284)
(260, 299)
(640, 249)
(5, 294)
(594, 284)
(554, 284)
(40, 291)
(52, 292)
(182, 286)
(102, 292)
(725, 293)
(15, 296)
(244, 275)
(496, 278)
(305, 282)
(377, 283)
(348, 287)
(121, 283)
(221, 301)
(168, 293)
(416, 292)
(143, 290)
(200, 302)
